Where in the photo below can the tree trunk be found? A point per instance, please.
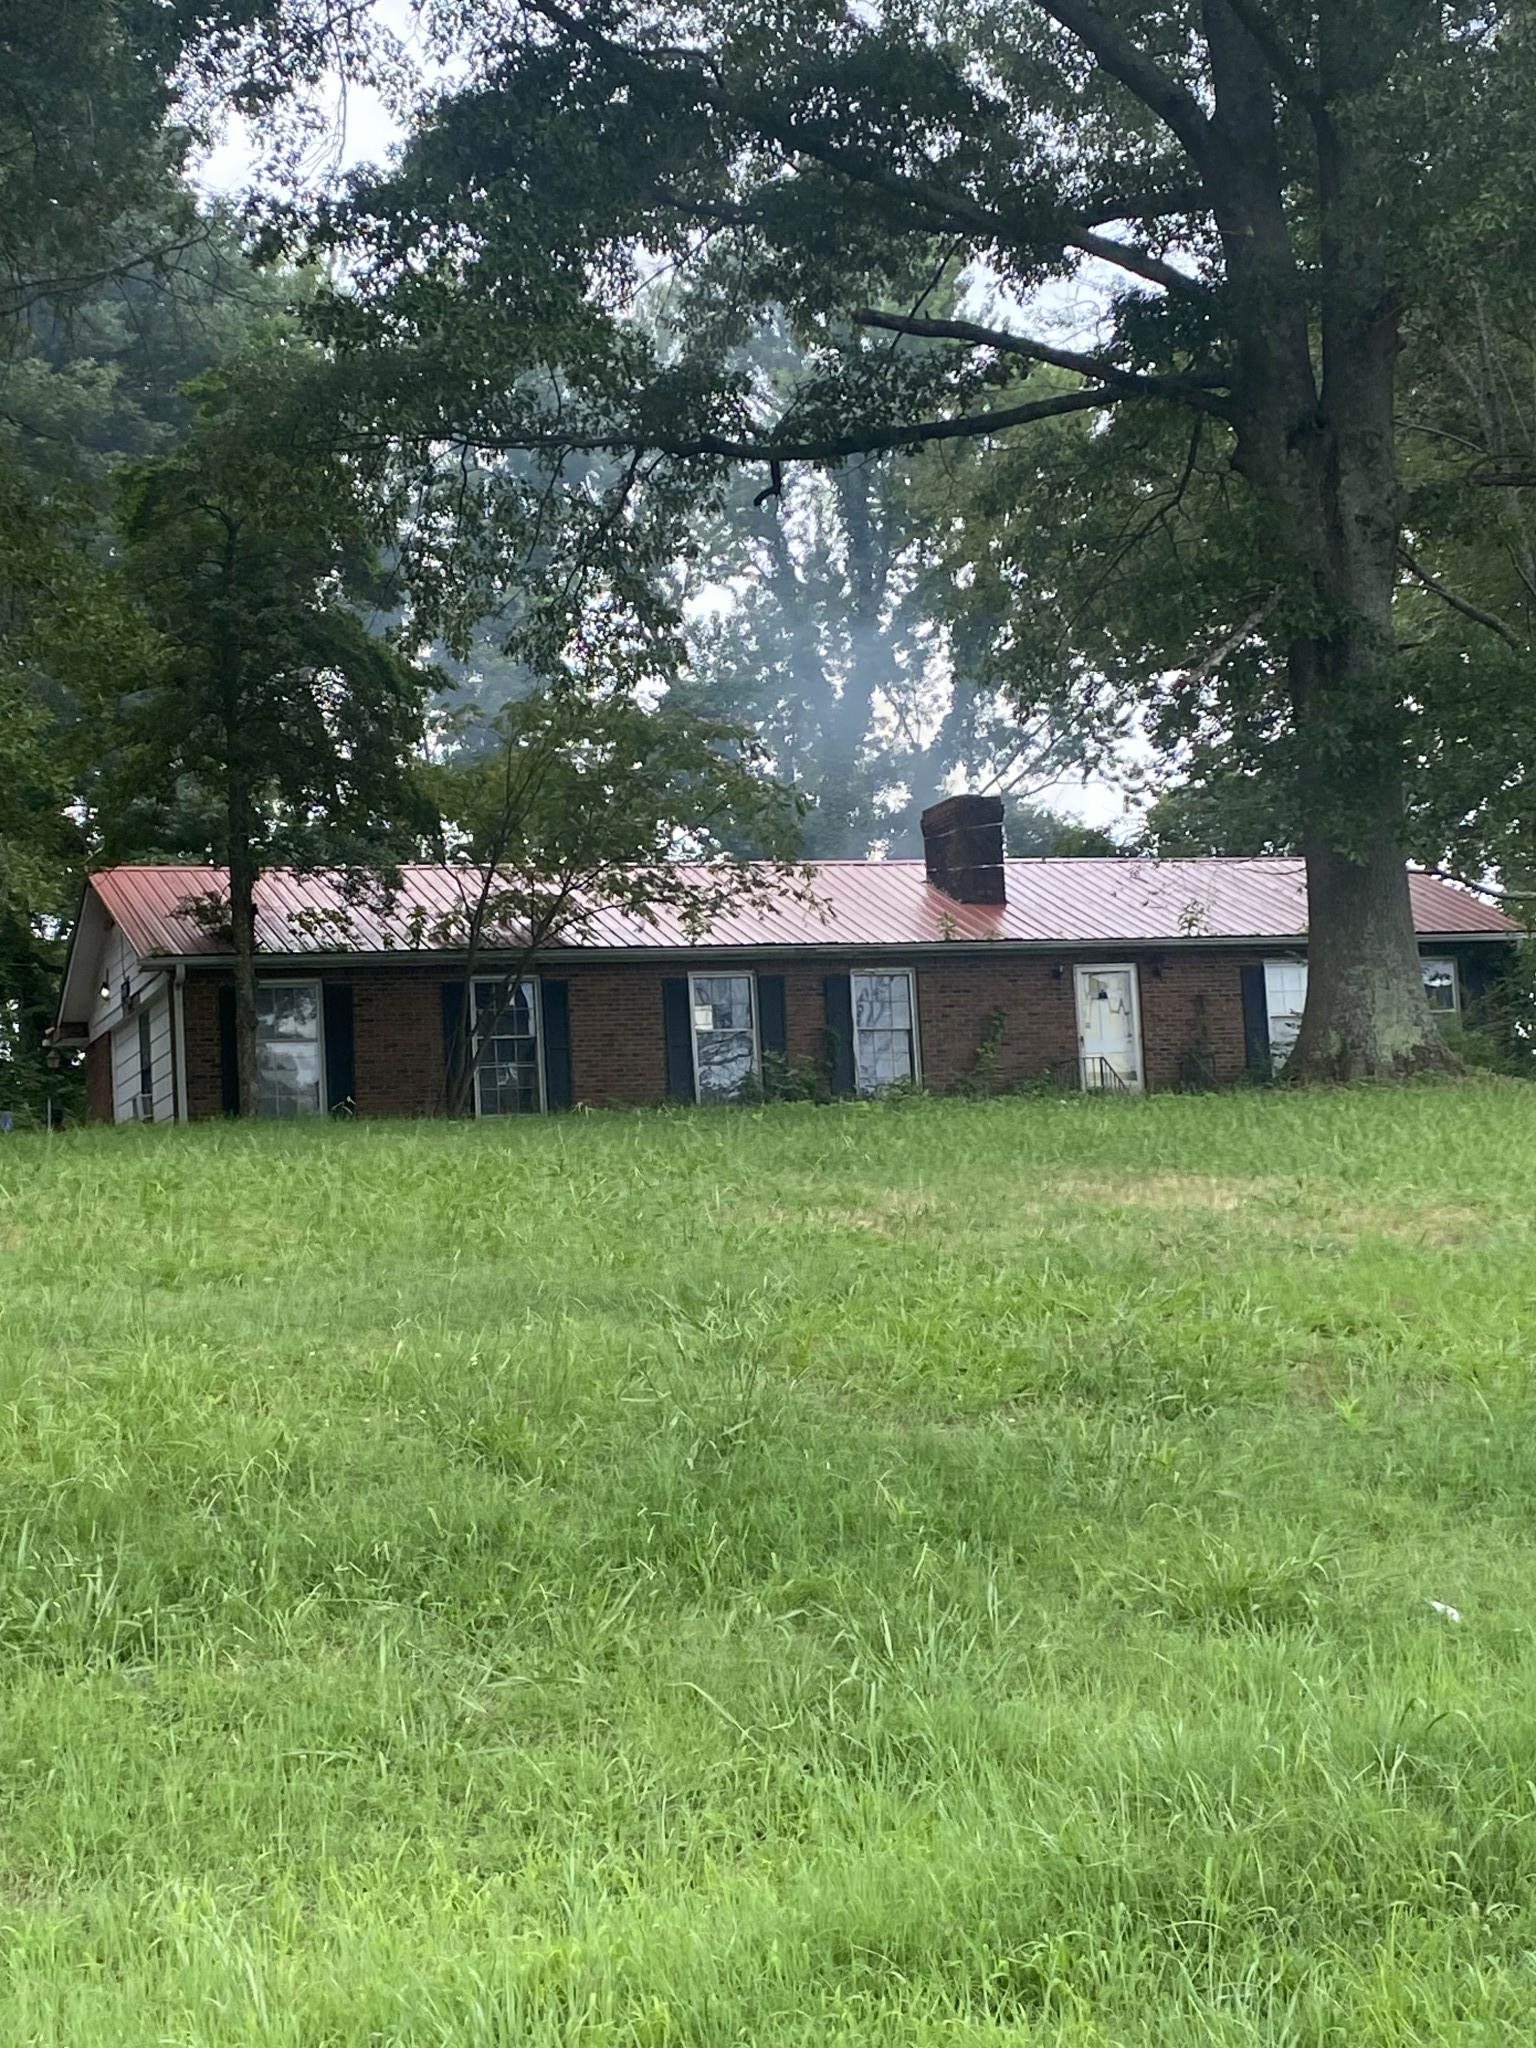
(242, 915)
(1366, 1014)
(461, 1066)
(1316, 440)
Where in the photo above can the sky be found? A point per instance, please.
(362, 129)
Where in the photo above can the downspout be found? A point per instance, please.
(179, 1040)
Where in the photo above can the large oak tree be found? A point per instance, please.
(1281, 192)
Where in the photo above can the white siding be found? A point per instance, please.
(148, 992)
(119, 963)
(127, 1071)
(161, 1060)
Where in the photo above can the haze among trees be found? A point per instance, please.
(936, 396)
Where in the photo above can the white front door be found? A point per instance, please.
(1109, 1028)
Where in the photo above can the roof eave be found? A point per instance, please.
(403, 956)
(64, 1023)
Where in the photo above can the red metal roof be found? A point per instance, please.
(855, 904)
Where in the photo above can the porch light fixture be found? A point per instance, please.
(105, 991)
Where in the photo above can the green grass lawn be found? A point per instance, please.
(933, 1573)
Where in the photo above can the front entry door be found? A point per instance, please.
(1109, 1028)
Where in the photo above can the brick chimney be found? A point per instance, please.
(963, 847)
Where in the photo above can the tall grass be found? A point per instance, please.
(931, 1574)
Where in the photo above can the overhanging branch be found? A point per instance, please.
(1195, 388)
(766, 449)
(1140, 262)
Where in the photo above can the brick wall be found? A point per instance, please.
(397, 1024)
(200, 1008)
(618, 1054)
(1191, 1009)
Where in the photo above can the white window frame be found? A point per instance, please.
(1081, 970)
(1448, 962)
(536, 1010)
(748, 975)
(305, 982)
(886, 974)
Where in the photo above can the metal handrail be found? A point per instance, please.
(1109, 1075)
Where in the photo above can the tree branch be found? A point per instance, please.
(724, 448)
(1193, 389)
(1287, 69)
(1144, 205)
(1142, 77)
(1140, 262)
(1463, 605)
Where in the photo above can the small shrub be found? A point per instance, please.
(982, 1079)
(784, 1079)
(1479, 1048)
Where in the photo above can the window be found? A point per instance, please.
(1285, 988)
(1286, 984)
(145, 1110)
(290, 1060)
(724, 1034)
(884, 1031)
(509, 1077)
(1440, 986)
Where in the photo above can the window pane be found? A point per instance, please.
(725, 1063)
(287, 1078)
(288, 1012)
(885, 1057)
(722, 1002)
(1440, 983)
(502, 1010)
(882, 1002)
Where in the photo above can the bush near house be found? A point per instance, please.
(972, 1572)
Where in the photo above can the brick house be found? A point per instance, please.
(1102, 973)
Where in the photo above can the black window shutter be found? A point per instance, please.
(1256, 1050)
(678, 1026)
(340, 1047)
(772, 1016)
(555, 1016)
(453, 1021)
(229, 1067)
(840, 1076)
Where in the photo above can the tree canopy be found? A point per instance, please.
(1276, 199)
